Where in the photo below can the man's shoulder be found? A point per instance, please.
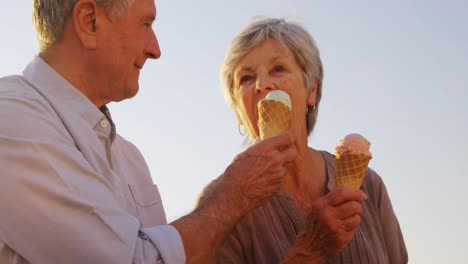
(131, 154)
(122, 144)
(16, 87)
(24, 110)
(11, 83)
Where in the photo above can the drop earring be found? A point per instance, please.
(241, 130)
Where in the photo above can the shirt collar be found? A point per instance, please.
(107, 114)
(53, 86)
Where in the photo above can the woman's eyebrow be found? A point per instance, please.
(243, 68)
(276, 58)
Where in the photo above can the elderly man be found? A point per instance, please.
(71, 189)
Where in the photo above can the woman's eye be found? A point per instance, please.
(279, 68)
(148, 25)
(245, 78)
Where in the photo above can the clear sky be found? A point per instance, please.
(395, 71)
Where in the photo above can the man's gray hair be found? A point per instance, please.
(49, 16)
(290, 34)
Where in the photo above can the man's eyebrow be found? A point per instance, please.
(149, 17)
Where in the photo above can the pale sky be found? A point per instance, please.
(395, 71)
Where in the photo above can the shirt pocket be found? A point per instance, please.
(148, 204)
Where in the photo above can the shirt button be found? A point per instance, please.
(104, 123)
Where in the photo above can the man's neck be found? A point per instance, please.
(71, 65)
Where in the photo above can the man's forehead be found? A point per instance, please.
(144, 8)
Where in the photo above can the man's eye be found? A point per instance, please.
(148, 25)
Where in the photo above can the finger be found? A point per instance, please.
(288, 154)
(351, 223)
(280, 161)
(272, 183)
(348, 209)
(340, 195)
(277, 170)
(280, 141)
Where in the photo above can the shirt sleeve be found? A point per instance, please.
(168, 242)
(55, 208)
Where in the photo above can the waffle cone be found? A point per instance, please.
(274, 117)
(350, 169)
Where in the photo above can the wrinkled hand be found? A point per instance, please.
(330, 225)
(258, 173)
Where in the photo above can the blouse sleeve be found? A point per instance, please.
(391, 231)
(230, 251)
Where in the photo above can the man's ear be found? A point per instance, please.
(312, 97)
(84, 18)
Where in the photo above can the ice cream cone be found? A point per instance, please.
(273, 117)
(352, 157)
(350, 169)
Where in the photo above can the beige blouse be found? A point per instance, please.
(265, 234)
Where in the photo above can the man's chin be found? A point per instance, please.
(131, 92)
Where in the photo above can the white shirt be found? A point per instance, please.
(71, 190)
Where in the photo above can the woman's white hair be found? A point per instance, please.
(290, 34)
(49, 16)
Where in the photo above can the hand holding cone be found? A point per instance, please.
(352, 157)
(274, 114)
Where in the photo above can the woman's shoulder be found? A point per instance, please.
(372, 180)
(374, 187)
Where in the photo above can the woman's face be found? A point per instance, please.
(270, 66)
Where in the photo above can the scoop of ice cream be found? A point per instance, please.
(354, 144)
(280, 96)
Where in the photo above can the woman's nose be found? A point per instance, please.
(264, 84)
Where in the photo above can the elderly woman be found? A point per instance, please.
(308, 220)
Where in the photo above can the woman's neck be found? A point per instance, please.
(307, 179)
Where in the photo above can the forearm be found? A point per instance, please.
(253, 177)
(204, 229)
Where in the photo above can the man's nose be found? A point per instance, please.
(152, 49)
